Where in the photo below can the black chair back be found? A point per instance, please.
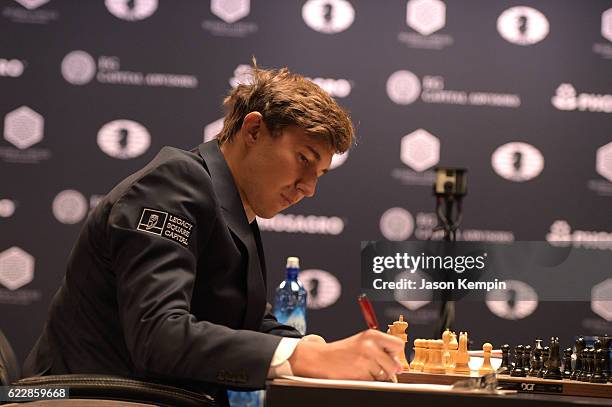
(9, 369)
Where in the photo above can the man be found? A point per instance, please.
(167, 278)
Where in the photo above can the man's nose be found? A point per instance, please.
(307, 186)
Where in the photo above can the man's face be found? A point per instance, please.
(281, 170)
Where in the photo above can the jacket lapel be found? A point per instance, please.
(233, 211)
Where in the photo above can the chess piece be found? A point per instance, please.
(453, 346)
(553, 369)
(417, 362)
(590, 358)
(567, 363)
(398, 329)
(585, 366)
(486, 367)
(446, 358)
(536, 359)
(518, 370)
(545, 356)
(504, 368)
(434, 361)
(526, 358)
(462, 358)
(599, 361)
(605, 342)
(579, 345)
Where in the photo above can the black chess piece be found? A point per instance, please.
(536, 359)
(598, 362)
(545, 355)
(580, 344)
(553, 368)
(567, 363)
(588, 361)
(526, 358)
(605, 343)
(518, 370)
(585, 366)
(504, 368)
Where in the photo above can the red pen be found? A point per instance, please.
(368, 313)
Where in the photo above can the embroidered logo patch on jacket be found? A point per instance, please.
(165, 224)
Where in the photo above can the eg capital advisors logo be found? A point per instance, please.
(396, 224)
(78, 67)
(328, 16)
(403, 87)
(426, 16)
(16, 268)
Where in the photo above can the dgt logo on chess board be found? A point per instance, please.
(164, 224)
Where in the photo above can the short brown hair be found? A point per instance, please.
(284, 99)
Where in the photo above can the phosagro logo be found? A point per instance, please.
(230, 11)
(324, 289)
(131, 10)
(517, 161)
(522, 25)
(309, 224)
(566, 98)
(16, 268)
(518, 300)
(396, 224)
(426, 16)
(23, 127)
(11, 67)
(328, 16)
(124, 139)
(78, 67)
(606, 24)
(561, 234)
(70, 207)
(420, 150)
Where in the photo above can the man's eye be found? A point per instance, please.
(304, 159)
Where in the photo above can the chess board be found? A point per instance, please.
(520, 384)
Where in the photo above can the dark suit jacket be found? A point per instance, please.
(166, 281)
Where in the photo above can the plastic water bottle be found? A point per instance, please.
(290, 298)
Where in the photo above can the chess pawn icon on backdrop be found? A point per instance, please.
(486, 367)
(553, 370)
(517, 370)
(579, 344)
(398, 329)
(504, 368)
(463, 357)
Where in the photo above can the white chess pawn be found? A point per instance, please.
(486, 367)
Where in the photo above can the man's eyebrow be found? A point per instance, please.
(316, 154)
(317, 157)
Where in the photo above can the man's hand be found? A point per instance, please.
(369, 355)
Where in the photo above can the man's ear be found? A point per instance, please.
(251, 126)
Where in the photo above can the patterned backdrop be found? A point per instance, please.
(519, 93)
